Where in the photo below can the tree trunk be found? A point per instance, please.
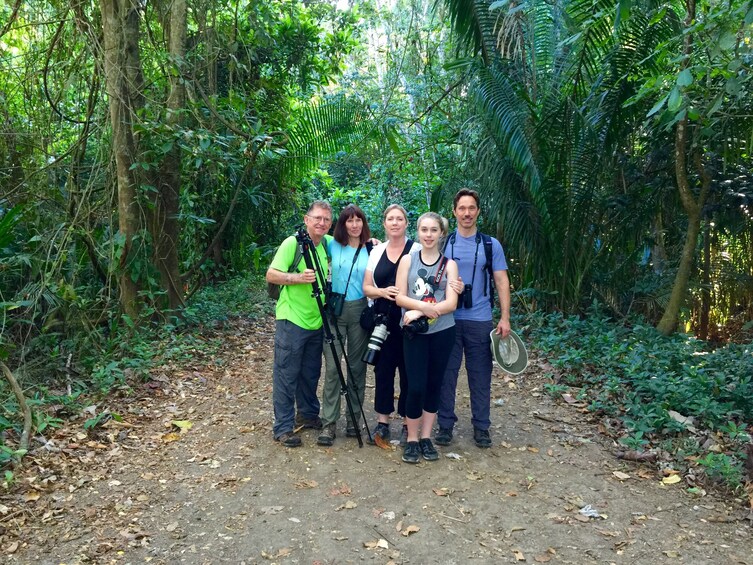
(703, 330)
(693, 207)
(164, 227)
(122, 68)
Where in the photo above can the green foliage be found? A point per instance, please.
(630, 371)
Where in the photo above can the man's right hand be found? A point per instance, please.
(308, 276)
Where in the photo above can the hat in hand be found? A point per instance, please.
(509, 353)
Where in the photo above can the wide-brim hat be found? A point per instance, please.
(509, 353)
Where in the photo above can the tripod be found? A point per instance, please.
(311, 260)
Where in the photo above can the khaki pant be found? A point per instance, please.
(355, 340)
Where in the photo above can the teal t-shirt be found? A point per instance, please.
(342, 260)
(296, 304)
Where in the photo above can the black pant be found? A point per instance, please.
(426, 357)
(390, 360)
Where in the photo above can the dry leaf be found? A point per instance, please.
(533, 449)
(543, 558)
(172, 527)
(381, 442)
(349, 505)
(567, 397)
(380, 543)
(182, 425)
(170, 437)
(306, 483)
(672, 554)
(671, 480)
(444, 491)
(12, 548)
(518, 555)
(412, 529)
(620, 475)
(31, 496)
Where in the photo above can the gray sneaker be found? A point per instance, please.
(404, 436)
(327, 435)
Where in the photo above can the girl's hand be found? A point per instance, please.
(390, 293)
(430, 310)
(411, 316)
(457, 285)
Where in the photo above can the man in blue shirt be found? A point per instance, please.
(473, 319)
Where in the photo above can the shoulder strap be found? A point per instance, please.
(297, 259)
(440, 270)
(488, 252)
(406, 249)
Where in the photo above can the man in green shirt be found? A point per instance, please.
(298, 330)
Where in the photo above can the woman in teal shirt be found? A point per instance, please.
(349, 258)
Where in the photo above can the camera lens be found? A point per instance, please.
(376, 340)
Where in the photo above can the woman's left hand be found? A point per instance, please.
(411, 316)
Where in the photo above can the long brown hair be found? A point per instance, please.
(341, 231)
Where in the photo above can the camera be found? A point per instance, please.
(336, 302)
(420, 326)
(376, 340)
(465, 298)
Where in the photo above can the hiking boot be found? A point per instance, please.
(327, 435)
(382, 430)
(411, 452)
(351, 430)
(427, 449)
(289, 439)
(308, 423)
(443, 436)
(481, 437)
(404, 436)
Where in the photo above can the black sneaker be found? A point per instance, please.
(443, 436)
(289, 439)
(411, 452)
(308, 423)
(327, 435)
(481, 437)
(427, 449)
(382, 430)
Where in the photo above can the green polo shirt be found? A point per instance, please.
(296, 303)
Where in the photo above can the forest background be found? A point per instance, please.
(153, 154)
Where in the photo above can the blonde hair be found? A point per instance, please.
(392, 207)
(444, 226)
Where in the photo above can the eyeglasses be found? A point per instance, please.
(318, 219)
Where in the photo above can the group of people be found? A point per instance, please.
(434, 296)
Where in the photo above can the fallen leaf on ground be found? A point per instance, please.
(381, 442)
(452, 455)
(620, 475)
(306, 483)
(412, 529)
(444, 491)
(12, 548)
(518, 555)
(672, 554)
(671, 480)
(170, 437)
(380, 543)
(543, 558)
(182, 425)
(31, 496)
(350, 504)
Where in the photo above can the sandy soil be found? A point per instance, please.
(216, 489)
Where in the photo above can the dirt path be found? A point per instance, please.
(223, 492)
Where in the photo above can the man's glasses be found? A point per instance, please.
(318, 219)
